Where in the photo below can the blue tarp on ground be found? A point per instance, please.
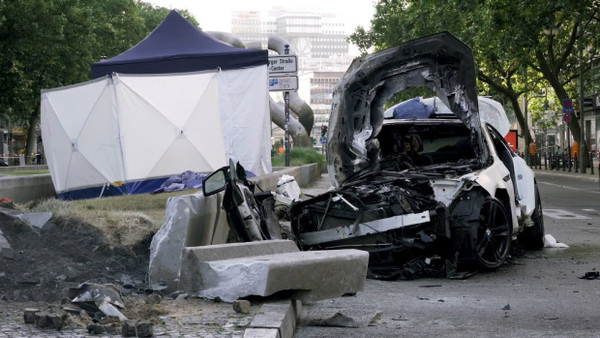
(175, 46)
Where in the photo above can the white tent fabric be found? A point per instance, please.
(128, 128)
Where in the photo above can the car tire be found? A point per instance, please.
(493, 235)
(532, 237)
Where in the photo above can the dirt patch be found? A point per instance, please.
(63, 254)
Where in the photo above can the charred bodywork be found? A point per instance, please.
(440, 62)
(420, 192)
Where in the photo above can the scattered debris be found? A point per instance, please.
(241, 306)
(288, 187)
(506, 307)
(590, 275)
(36, 219)
(550, 242)
(339, 319)
(96, 298)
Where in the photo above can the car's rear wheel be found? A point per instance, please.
(533, 237)
(494, 235)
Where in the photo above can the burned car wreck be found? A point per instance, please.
(427, 187)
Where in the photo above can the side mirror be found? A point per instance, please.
(215, 182)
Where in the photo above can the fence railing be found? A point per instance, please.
(21, 159)
(552, 159)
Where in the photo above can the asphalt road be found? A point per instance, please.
(541, 295)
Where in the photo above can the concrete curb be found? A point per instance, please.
(571, 175)
(21, 189)
(277, 319)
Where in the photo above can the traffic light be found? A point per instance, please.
(323, 130)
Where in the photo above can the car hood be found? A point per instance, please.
(439, 62)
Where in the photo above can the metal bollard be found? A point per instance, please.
(576, 163)
(546, 160)
(591, 163)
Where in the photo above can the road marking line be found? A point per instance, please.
(562, 214)
(567, 187)
(589, 210)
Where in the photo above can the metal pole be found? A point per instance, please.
(582, 119)
(569, 139)
(286, 100)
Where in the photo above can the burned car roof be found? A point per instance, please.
(439, 62)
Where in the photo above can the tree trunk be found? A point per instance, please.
(31, 141)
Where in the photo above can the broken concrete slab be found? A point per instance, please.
(36, 219)
(190, 220)
(193, 256)
(238, 250)
(309, 275)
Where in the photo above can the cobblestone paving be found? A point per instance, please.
(189, 318)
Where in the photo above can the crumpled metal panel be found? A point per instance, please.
(440, 62)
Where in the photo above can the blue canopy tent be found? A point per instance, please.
(177, 46)
(179, 100)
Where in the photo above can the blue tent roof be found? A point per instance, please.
(176, 45)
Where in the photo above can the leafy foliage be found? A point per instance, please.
(520, 47)
(48, 44)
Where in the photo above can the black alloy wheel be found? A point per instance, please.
(494, 235)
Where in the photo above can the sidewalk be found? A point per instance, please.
(565, 172)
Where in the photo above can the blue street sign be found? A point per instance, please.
(323, 140)
(567, 105)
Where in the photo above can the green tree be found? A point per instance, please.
(514, 56)
(48, 44)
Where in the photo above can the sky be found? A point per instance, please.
(216, 15)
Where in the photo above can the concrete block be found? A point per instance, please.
(311, 275)
(261, 333)
(190, 220)
(241, 306)
(278, 316)
(192, 257)
(36, 219)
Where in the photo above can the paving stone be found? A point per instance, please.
(279, 315)
(261, 333)
(143, 328)
(128, 328)
(29, 315)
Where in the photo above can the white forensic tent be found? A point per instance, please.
(126, 134)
